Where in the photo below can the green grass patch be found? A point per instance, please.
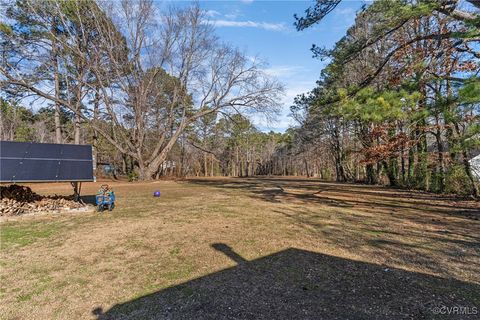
(250, 242)
(17, 235)
(175, 251)
(41, 286)
(182, 271)
(374, 232)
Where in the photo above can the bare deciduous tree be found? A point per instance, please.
(152, 75)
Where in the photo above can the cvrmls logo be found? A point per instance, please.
(455, 310)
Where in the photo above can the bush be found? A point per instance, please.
(456, 181)
(436, 182)
(132, 176)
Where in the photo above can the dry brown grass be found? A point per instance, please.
(65, 266)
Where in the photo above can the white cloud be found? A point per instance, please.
(284, 120)
(297, 80)
(295, 90)
(231, 16)
(212, 13)
(250, 24)
(283, 71)
(247, 1)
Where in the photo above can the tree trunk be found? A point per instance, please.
(57, 111)
(58, 125)
(205, 167)
(440, 161)
(213, 163)
(306, 167)
(467, 167)
(182, 158)
(370, 173)
(95, 133)
(77, 120)
(411, 162)
(124, 164)
(390, 168)
(147, 172)
(77, 130)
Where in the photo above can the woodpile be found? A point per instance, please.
(17, 200)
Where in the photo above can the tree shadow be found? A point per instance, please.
(435, 245)
(299, 284)
(347, 195)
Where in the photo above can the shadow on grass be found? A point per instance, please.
(89, 199)
(298, 284)
(358, 196)
(401, 238)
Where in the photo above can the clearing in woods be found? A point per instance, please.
(244, 248)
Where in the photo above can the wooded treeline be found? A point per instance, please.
(212, 146)
(124, 76)
(399, 100)
(157, 93)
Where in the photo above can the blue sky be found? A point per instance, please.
(265, 29)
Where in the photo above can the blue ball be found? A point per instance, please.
(156, 194)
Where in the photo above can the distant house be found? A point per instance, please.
(475, 165)
(168, 164)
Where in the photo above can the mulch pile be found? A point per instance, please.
(17, 200)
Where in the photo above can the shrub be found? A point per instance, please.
(132, 176)
(456, 181)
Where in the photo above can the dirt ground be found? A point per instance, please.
(259, 248)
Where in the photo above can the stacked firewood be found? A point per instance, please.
(17, 200)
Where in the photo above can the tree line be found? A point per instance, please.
(131, 78)
(212, 146)
(398, 102)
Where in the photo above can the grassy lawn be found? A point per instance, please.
(243, 248)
